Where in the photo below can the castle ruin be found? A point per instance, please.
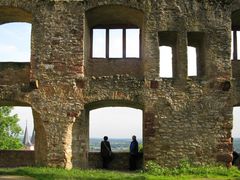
(183, 116)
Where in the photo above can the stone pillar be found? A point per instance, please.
(40, 147)
(80, 140)
(225, 145)
(59, 143)
(182, 56)
(148, 135)
(150, 52)
(225, 149)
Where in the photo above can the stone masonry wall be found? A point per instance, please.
(11, 158)
(183, 117)
(120, 161)
(14, 73)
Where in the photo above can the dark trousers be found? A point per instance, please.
(105, 162)
(133, 162)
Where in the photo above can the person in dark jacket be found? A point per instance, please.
(106, 152)
(133, 154)
(235, 161)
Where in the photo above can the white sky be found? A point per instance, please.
(236, 122)
(15, 42)
(26, 117)
(238, 47)
(165, 63)
(115, 122)
(115, 43)
(15, 47)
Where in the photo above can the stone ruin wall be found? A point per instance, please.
(183, 117)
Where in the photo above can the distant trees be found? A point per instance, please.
(9, 129)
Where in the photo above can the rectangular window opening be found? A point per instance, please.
(192, 61)
(196, 54)
(132, 43)
(167, 54)
(235, 45)
(165, 62)
(115, 43)
(99, 43)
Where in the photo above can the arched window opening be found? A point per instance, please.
(166, 62)
(15, 42)
(113, 41)
(18, 128)
(235, 129)
(192, 61)
(118, 123)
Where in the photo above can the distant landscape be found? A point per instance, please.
(117, 145)
(236, 144)
(122, 145)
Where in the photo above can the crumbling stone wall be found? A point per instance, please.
(184, 117)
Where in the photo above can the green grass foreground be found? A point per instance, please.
(152, 171)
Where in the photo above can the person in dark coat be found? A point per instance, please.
(235, 160)
(133, 154)
(106, 152)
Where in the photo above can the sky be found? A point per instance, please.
(115, 122)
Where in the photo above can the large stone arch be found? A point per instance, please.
(80, 139)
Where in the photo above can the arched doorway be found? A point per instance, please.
(84, 130)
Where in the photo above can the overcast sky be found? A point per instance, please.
(113, 122)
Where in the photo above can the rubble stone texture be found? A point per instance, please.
(183, 117)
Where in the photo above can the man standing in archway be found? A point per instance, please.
(106, 152)
(133, 154)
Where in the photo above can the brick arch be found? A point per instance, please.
(114, 14)
(13, 14)
(235, 19)
(112, 103)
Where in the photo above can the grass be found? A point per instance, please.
(57, 173)
(153, 171)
